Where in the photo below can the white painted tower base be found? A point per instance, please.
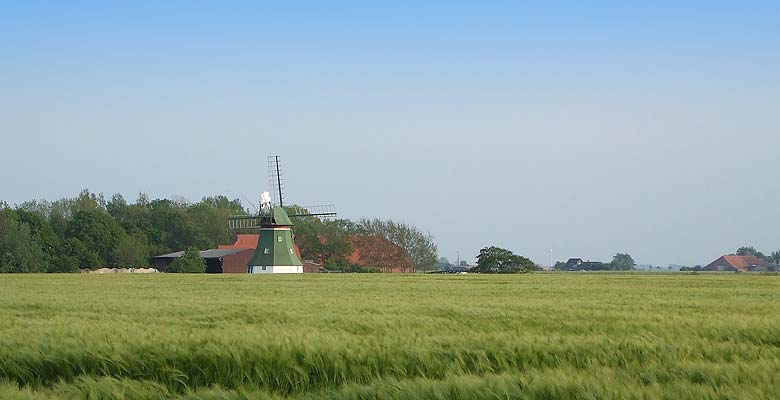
(275, 269)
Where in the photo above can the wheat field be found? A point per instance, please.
(374, 336)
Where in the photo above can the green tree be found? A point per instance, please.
(136, 219)
(497, 260)
(321, 240)
(117, 208)
(176, 227)
(210, 217)
(61, 211)
(39, 228)
(97, 230)
(19, 250)
(750, 251)
(41, 207)
(64, 264)
(67, 259)
(90, 201)
(622, 262)
(41, 231)
(131, 251)
(71, 255)
(190, 262)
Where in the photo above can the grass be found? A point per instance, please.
(539, 336)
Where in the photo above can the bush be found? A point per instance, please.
(189, 263)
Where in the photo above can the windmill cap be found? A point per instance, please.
(281, 217)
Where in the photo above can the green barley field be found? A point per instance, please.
(371, 336)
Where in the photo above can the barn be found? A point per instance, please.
(739, 264)
(217, 260)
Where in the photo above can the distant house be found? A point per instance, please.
(458, 269)
(577, 264)
(595, 266)
(740, 264)
(574, 264)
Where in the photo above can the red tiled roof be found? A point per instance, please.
(734, 263)
(742, 262)
(243, 241)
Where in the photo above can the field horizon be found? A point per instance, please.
(369, 336)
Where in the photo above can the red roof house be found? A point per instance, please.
(735, 263)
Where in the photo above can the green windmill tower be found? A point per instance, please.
(275, 251)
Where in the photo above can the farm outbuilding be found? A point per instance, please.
(734, 263)
(217, 260)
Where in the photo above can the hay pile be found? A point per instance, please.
(120, 271)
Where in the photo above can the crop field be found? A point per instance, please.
(372, 336)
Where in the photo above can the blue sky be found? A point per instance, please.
(645, 127)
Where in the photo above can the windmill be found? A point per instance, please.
(275, 250)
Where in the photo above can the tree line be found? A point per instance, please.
(773, 257)
(90, 231)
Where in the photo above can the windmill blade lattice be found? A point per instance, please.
(275, 180)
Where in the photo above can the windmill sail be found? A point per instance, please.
(275, 180)
(243, 222)
(325, 210)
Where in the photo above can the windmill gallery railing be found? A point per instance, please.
(255, 221)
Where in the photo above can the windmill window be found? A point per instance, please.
(290, 251)
(279, 239)
(263, 267)
(267, 251)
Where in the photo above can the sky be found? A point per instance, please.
(588, 128)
